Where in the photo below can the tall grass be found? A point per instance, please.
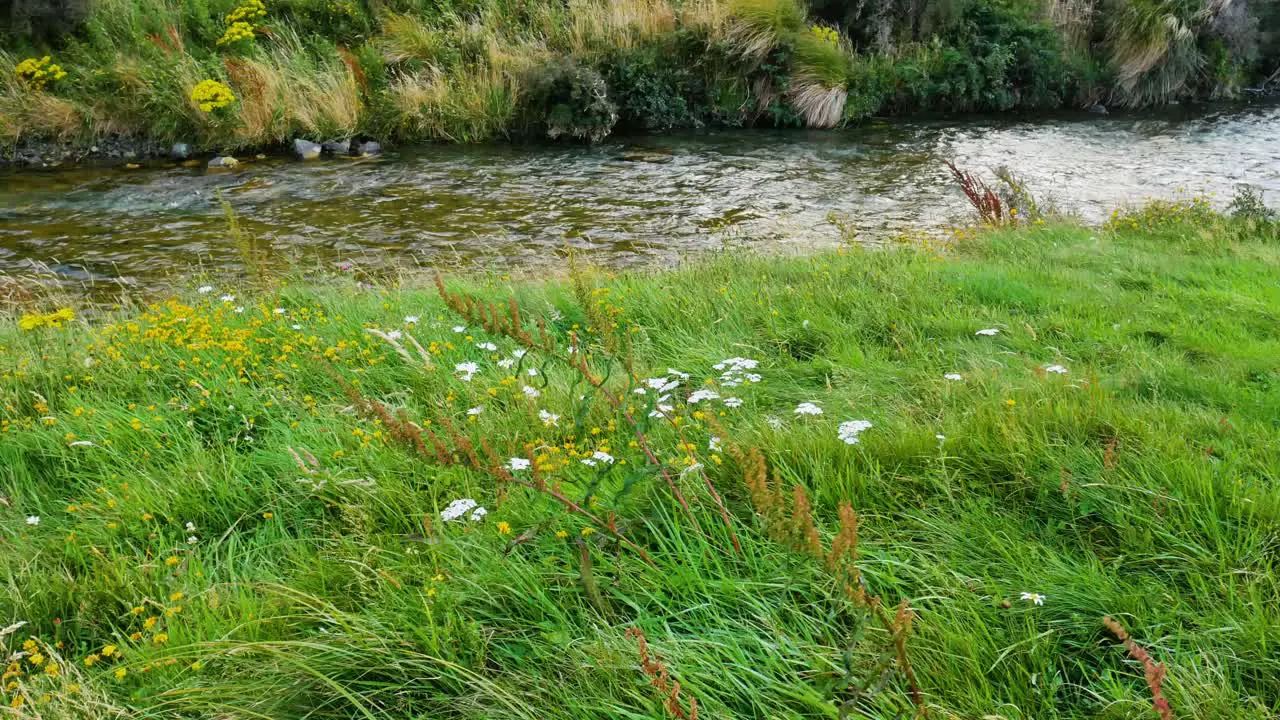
(759, 26)
(1154, 50)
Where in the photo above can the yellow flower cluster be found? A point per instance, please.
(211, 95)
(240, 21)
(825, 33)
(53, 319)
(39, 73)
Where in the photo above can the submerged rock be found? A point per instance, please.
(1097, 109)
(368, 148)
(336, 147)
(223, 162)
(305, 149)
(649, 156)
(180, 151)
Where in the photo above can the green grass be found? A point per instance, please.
(1141, 484)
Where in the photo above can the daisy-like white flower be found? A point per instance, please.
(598, 457)
(700, 395)
(490, 347)
(478, 514)
(532, 372)
(808, 408)
(850, 430)
(519, 353)
(193, 540)
(296, 327)
(475, 410)
(411, 319)
(466, 370)
(1056, 369)
(191, 527)
(33, 520)
(459, 328)
(530, 391)
(733, 402)
(506, 363)
(205, 289)
(955, 377)
(278, 311)
(988, 332)
(228, 298)
(516, 464)
(239, 309)
(714, 443)
(941, 438)
(1033, 598)
(549, 419)
(773, 421)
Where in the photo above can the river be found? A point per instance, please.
(520, 205)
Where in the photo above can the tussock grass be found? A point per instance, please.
(318, 579)
(759, 26)
(456, 107)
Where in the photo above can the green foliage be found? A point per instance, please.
(42, 20)
(570, 100)
(656, 88)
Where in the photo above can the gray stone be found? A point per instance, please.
(337, 147)
(223, 162)
(368, 148)
(305, 149)
(648, 156)
(180, 151)
(1097, 109)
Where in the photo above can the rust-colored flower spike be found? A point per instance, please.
(1152, 671)
(804, 533)
(660, 679)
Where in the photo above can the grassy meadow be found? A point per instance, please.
(887, 483)
(227, 75)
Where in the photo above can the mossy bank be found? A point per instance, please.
(228, 75)
(941, 480)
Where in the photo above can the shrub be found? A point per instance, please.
(44, 20)
(567, 99)
(659, 86)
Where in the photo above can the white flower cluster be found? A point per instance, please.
(734, 371)
(463, 509)
(597, 457)
(849, 431)
(808, 408)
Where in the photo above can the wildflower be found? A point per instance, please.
(850, 430)
(531, 372)
(191, 527)
(205, 289)
(192, 540)
(598, 457)
(733, 402)
(506, 363)
(988, 332)
(239, 309)
(808, 408)
(1033, 598)
(773, 421)
(662, 384)
(392, 335)
(953, 376)
(279, 311)
(488, 346)
(33, 520)
(517, 464)
(160, 638)
(90, 659)
(150, 622)
(588, 531)
(120, 673)
(109, 650)
(463, 507)
(171, 560)
(701, 395)
(561, 534)
(475, 410)
(1056, 369)
(504, 527)
(1010, 402)
(299, 327)
(466, 370)
(175, 597)
(228, 298)
(640, 391)
(197, 665)
(549, 419)
(714, 443)
(411, 319)
(268, 515)
(661, 410)
(459, 328)
(530, 391)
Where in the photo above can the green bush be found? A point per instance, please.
(568, 99)
(656, 88)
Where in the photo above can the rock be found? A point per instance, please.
(305, 149)
(649, 156)
(131, 166)
(223, 162)
(368, 148)
(1097, 109)
(78, 272)
(180, 151)
(336, 147)
(191, 163)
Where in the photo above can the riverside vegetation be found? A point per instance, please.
(1029, 472)
(233, 74)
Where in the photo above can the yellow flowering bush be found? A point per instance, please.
(53, 319)
(826, 34)
(240, 22)
(211, 95)
(37, 73)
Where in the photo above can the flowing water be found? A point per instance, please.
(518, 206)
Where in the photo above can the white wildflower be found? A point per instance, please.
(191, 527)
(548, 418)
(733, 402)
(714, 443)
(518, 463)
(459, 328)
(661, 411)
(532, 372)
(466, 370)
(33, 520)
(475, 410)
(1034, 598)
(519, 353)
(278, 311)
(239, 309)
(82, 443)
(488, 346)
(228, 298)
(956, 377)
(506, 363)
(411, 319)
(1056, 369)
(808, 408)
(672, 372)
(639, 391)
(456, 509)
(192, 540)
(205, 289)
(988, 332)
(850, 430)
(296, 327)
(530, 391)
(598, 456)
(478, 514)
(773, 421)
(701, 395)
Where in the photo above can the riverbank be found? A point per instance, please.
(239, 75)
(260, 499)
